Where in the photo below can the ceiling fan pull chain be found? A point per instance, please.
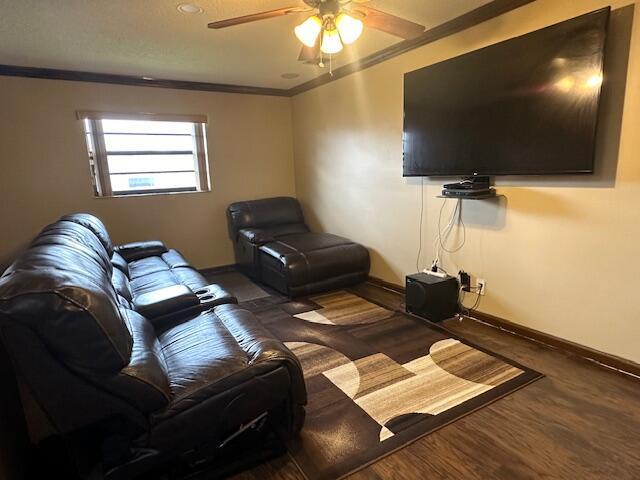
(331, 65)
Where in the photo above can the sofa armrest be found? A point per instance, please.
(165, 301)
(137, 250)
(120, 263)
(255, 236)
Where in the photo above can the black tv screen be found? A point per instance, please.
(526, 106)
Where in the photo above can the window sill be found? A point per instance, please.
(150, 194)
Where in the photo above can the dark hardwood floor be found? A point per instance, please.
(581, 421)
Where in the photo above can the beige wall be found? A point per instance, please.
(560, 255)
(44, 166)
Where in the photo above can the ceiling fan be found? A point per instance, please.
(334, 23)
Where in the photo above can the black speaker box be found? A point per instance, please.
(432, 297)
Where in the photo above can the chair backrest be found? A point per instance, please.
(279, 213)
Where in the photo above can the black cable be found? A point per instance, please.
(467, 311)
(421, 216)
(456, 211)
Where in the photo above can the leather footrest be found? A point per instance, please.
(306, 263)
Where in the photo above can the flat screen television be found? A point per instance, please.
(525, 106)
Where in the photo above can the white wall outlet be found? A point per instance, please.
(482, 286)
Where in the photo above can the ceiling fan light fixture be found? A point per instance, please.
(349, 28)
(331, 42)
(308, 31)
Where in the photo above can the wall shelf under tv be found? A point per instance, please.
(477, 197)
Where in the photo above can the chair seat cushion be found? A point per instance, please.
(216, 366)
(304, 243)
(216, 349)
(157, 263)
(166, 278)
(312, 258)
(162, 271)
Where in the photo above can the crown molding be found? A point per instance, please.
(78, 76)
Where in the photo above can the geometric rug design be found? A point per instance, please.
(378, 379)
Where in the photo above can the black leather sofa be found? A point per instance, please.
(273, 245)
(170, 386)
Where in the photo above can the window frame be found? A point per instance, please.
(99, 165)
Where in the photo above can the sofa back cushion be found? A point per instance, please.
(61, 288)
(268, 213)
(75, 236)
(94, 224)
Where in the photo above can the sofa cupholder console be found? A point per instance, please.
(207, 294)
(165, 303)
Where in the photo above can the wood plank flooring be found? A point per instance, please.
(581, 421)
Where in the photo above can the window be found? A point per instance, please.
(146, 153)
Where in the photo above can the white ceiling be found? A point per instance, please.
(151, 38)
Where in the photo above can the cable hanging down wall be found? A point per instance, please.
(440, 244)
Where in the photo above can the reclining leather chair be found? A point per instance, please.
(87, 360)
(273, 245)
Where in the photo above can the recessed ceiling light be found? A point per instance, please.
(290, 76)
(190, 8)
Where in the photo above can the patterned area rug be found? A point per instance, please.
(378, 379)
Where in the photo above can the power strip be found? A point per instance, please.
(435, 274)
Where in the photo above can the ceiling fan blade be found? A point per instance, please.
(388, 23)
(257, 16)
